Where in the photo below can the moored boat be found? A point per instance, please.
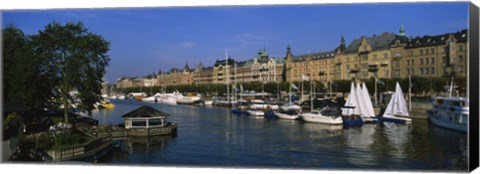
(450, 112)
(324, 116)
(396, 110)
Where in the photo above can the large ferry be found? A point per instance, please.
(450, 112)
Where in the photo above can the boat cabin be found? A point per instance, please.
(146, 121)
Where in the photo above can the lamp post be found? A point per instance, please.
(321, 73)
(374, 70)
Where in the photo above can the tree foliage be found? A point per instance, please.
(43, 68)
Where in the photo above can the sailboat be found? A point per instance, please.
(289, 110)
(352, 111)
(396, 110)
(368, 114)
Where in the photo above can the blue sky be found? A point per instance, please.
(145, 40)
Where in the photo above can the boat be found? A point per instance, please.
(208, 102)
(450, 112)
(325, 115)
(190, 99)
(121, 97)
(255, 112)
(351, 114)
(396, 110)
(150, 99)
(289, 114)
(107, 105)
(241, 109)
(171, 98)
(368, 113)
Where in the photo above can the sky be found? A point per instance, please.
(146, 40)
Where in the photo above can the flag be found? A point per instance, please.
(293, 86)
(333, 83)
(304, 77)
(381, 82)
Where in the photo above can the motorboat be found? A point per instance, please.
(325, 116)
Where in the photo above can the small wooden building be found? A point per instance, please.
(147, 121)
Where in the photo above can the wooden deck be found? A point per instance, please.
(118, 132)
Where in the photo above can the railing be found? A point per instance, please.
(80, 151)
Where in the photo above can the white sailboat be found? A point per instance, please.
(289, 110)
(368, 114)
(397, 110)
(352, 111)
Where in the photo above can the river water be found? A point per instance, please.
(212, 136)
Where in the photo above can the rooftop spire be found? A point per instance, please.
(402, 30)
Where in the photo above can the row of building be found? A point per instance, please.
(388, 55)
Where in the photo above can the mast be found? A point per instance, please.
(226, 74)
(410, 93)
(235, 77)
(290, 95)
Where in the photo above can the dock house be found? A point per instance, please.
(148, 121)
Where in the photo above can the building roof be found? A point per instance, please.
(222, 62)
(378, 42)
(319, 55)
(145, 111)
(461, 36)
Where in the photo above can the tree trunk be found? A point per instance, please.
(65, 106)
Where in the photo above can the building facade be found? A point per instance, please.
(387, 55)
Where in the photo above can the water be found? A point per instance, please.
(212, 136)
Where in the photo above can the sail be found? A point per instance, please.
(397, 104)
(352, 101)
(361, 101)
(400, 103)
(367, 102)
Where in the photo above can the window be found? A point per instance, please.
(385, 55)
(413, 72)
(421, 61)
(365, 48)
(413, 62)
(365, 65)
(374, 57)
(444, 49)
(426, 51)
(460, 58)
(432, 70)
(408, 71)
(396, 63)
(365, 74)
(356, 66)
(154, 122)
(444, 60)
(348, 59)
(408, 62)
(421, 71)
(460, 48)
(348, 67)
(139, 122)
(396, 73)
(460, 69)
(410, 53)
(421, 52)
(432, 61)
(426, 61)
(433, 50)
(398, 55)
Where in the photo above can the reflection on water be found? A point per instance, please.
(211, 136)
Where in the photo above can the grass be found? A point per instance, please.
(70, 139)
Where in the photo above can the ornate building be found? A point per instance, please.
(385, 56)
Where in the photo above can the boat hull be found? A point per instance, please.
(255, 113)
(286, 116)
(445, 123)
(335, 120)
(394, 119)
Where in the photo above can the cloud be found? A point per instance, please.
(186, 45)
(249, 39)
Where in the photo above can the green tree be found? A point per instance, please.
(25, 82)
(76, 59)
